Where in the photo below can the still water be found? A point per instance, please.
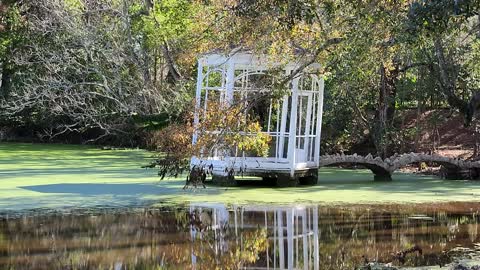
(218, 236)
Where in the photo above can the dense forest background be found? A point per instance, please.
(400, 75)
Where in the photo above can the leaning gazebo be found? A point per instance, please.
(293, 122)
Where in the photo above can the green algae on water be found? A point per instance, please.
(62, 176)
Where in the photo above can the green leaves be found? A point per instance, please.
(12, 24)
(167, 20)
(437, 16)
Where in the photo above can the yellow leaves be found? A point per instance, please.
(257, 142)
(221, 127)
(74, 5)
(238, 254)
(228, 128)
(174, 140)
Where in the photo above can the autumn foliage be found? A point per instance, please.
(224, 128)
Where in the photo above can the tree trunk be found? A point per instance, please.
(417, 127)
(382, 115)
(476, 146)
(478, 26)
(149, 4)
(391, 84)
(6, 82)
(385, 109)
(155, 66)
(173, 74)
(147, 79)
(447, 80)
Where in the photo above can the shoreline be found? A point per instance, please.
(399, 207)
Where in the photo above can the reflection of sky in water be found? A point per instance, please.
(209, 235)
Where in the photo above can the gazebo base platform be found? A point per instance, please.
(272, 178)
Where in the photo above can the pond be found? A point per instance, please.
(65, 176)
(80, 207)
(215, 235)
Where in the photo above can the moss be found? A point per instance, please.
(58, 176)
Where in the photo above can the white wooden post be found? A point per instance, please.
(280, 239)
(198, 98)
(293, 128)
(193, 234)
(275, 239)
(308, 125)
(230, 82)
(305, 239)
(314, 124)
(316, 249)
(283, 122)
(283, 126)
(266, 230)
(290, 232)
(319, 120)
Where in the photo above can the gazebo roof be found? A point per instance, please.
(246, 58)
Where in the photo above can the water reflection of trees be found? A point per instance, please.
(347, 236)
(209, 236)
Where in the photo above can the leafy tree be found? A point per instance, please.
(102, 69)
(12, 26)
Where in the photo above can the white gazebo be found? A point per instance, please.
(293, 122)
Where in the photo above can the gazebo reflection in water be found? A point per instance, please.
(291, 231)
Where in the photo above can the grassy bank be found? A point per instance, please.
(58, 176)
